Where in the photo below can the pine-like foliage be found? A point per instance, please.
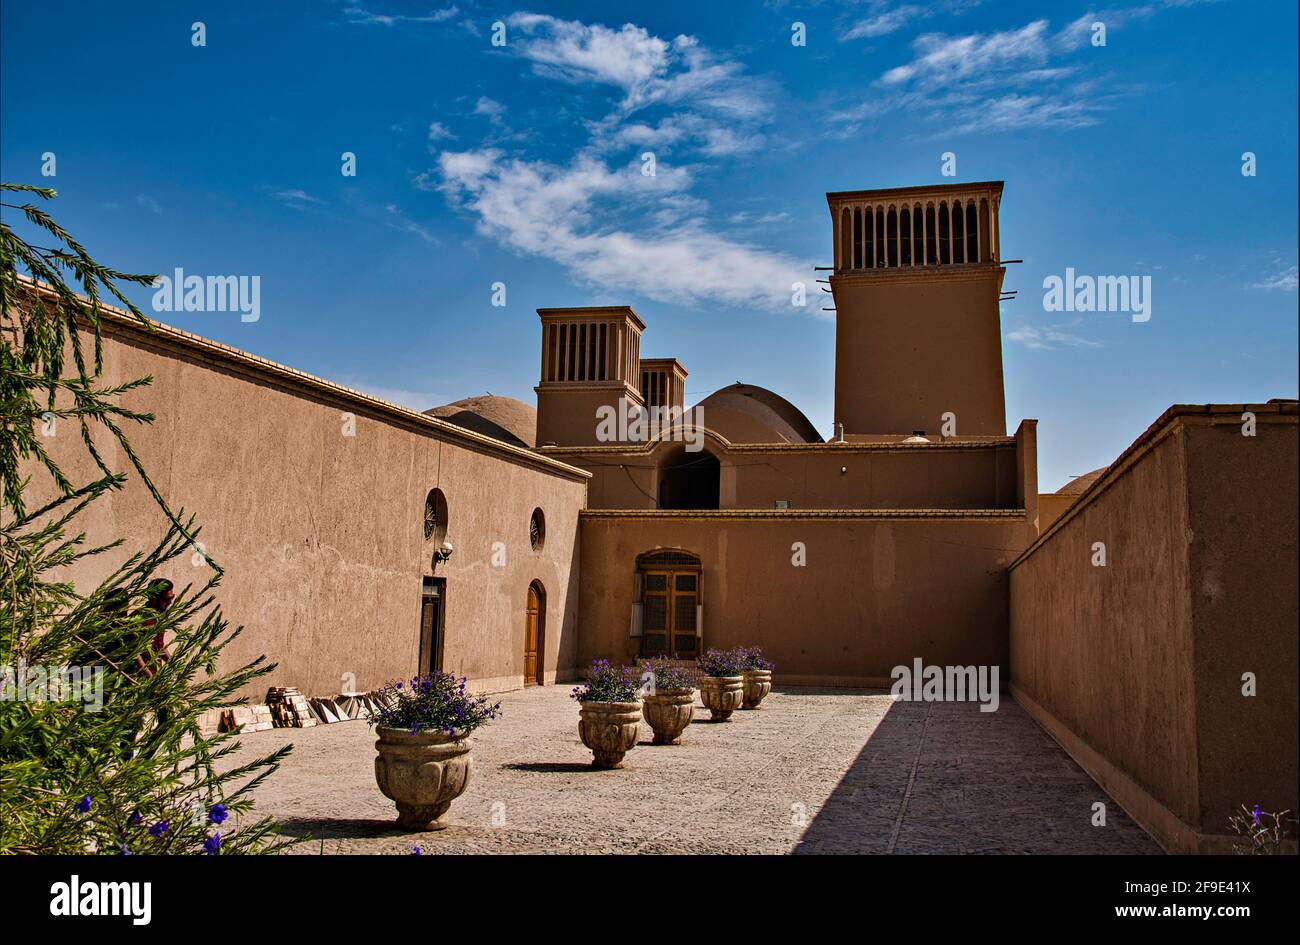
(123, 768)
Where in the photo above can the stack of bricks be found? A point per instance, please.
(289, 708)
(246, 718)
(211, 722)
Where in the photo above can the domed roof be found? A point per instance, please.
(1080, 484)
(502, 418)
(744, 413)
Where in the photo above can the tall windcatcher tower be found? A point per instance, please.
(916, 284)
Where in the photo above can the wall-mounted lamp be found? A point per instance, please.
(443, 553)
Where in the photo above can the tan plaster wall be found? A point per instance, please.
(874, 594)
(938, 477)
(1136, 666)
(1051, 506)
(1243, 558)
(910, 348)
(568, 416)
(321, 534)
(1097, 646)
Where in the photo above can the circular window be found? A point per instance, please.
(435, 516)
(537, 530)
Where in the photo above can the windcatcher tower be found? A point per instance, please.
(591, 357)
(663, 383)
(916, 283)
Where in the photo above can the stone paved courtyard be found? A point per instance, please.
(812, 771)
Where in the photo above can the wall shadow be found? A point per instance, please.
(945, 778)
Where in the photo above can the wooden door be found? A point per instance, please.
(431, 626)
(533, 615)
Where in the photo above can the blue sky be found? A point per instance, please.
(521, 164)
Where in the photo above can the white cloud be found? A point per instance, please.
(1025, 111)
(400, 223)
(746, 218)
(550, 211)
(360, 16)
(883, 23)
(1288, 280)
(596, 214)
(1024, 77)
(710, 136)
(297, 199)
(944, 60)
(438, 131)
(984, 82)
(629, 57)
(886, 16)
(1079, 32)
(489, 107)
(1048, 338)
(646, 68)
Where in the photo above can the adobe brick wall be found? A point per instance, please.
(876, 591)
(321, 534)
(1136, 667)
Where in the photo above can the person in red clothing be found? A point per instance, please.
(161, 595)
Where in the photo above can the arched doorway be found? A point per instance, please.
(671, 602)
(534, 630)
(689, 480)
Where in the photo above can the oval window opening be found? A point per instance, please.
(435, 516)
(537, 530)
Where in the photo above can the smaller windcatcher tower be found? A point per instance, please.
(663, 384)
(591, 358)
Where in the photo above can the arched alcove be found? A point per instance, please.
(689, 480)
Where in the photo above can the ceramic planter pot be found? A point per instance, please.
(722, 695)
(758, 683)
(422, 773)
(668, 712)
(610, 730)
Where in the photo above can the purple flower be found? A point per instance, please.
(123, 851)
(135, 820)
(436, 702)
(218, 814)
(212, 845)
(415, 851)
(160, 828)
(83, 805)
(1256, 812)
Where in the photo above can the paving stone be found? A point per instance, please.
(814, 771)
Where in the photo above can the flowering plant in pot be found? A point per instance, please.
(757, 674)
(609, 718)
(424, 750)
(722, 687)
(669, 703)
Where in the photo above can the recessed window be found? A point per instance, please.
(435, 516)
(537, 530)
